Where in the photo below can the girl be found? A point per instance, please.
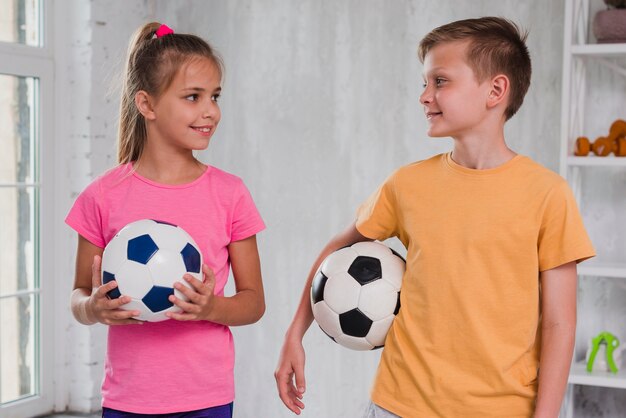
(169, 109)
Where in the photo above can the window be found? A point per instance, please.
(26, 77)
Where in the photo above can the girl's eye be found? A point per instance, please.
(192, 97)
(215, 97)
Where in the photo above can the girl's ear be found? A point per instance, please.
(499, 90)
(144, 101)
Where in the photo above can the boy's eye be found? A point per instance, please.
(439, 81)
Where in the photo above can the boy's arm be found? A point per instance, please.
(558, 327)
(291, 362)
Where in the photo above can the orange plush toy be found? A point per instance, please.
(615, 142)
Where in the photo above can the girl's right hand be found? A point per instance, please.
(100, 307)
(290, 368)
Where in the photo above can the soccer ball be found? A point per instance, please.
(355, 295)
(146, 258)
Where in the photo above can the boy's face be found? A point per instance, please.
(454, 101)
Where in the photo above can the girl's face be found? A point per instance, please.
(186, 115)
(454, 101)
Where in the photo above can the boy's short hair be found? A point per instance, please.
(497, 46)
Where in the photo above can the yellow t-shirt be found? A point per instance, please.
(466, 340)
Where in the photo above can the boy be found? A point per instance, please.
(489, 294)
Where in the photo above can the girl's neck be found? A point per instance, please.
(169, 169)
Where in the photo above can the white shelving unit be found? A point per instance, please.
(581, 55)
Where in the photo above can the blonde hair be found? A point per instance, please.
(496, 46)
(151, 65)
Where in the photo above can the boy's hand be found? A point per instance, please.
(102, 309)
(290, 364)
(201, 299)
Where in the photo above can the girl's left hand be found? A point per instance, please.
(201, 298)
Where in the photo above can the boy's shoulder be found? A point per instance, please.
(535, 173)
(419, 166)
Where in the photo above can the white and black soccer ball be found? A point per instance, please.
(146, 258)
(355, 295)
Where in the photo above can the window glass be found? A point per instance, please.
(17, 347)
(20, 22)
(19, 226)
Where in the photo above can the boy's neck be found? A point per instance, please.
(481, 154)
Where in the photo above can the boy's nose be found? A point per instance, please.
(425, 97)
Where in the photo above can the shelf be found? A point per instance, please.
(617, 270)
(580, 376)
(597, 161)
(599, 50)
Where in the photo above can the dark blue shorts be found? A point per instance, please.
(222, 411)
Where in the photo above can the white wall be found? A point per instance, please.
(320, 104)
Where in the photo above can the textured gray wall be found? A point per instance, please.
(320, 104)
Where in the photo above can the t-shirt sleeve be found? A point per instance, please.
(377, 216)
(246, 220)
(85, 216)
(562, 236)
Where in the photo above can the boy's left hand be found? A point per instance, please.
(201, 298)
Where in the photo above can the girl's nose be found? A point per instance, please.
(210, 111)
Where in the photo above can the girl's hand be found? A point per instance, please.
(201, 299)
(100, 307)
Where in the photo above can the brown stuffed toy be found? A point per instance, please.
(615, 142)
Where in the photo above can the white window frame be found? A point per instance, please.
(30, 61)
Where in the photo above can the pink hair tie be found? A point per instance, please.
(163, 30)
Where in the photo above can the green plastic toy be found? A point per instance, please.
(611, 342)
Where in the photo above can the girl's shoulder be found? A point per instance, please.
(223, 178)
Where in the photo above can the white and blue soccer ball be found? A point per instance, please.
(355, 294)
(146, 258)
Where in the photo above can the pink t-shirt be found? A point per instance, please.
(169, 366)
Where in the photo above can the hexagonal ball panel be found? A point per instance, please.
(378, 299)
(355, 323)
(354, 343)
(378, 332)
(365, 269)
(341, 292)
(169, 236)
(338, 262)
(393, 269)
(166, 267)
(327, 319)
(141, 249)
(133, 279)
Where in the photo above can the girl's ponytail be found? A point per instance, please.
(132, 128)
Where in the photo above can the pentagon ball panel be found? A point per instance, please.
(146, 258)
(355, 295)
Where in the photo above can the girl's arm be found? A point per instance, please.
(89, 301)
(291, 362)
(558, 329)
(245, 307)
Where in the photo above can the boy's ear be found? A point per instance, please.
(499, 90)
(144, 102)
